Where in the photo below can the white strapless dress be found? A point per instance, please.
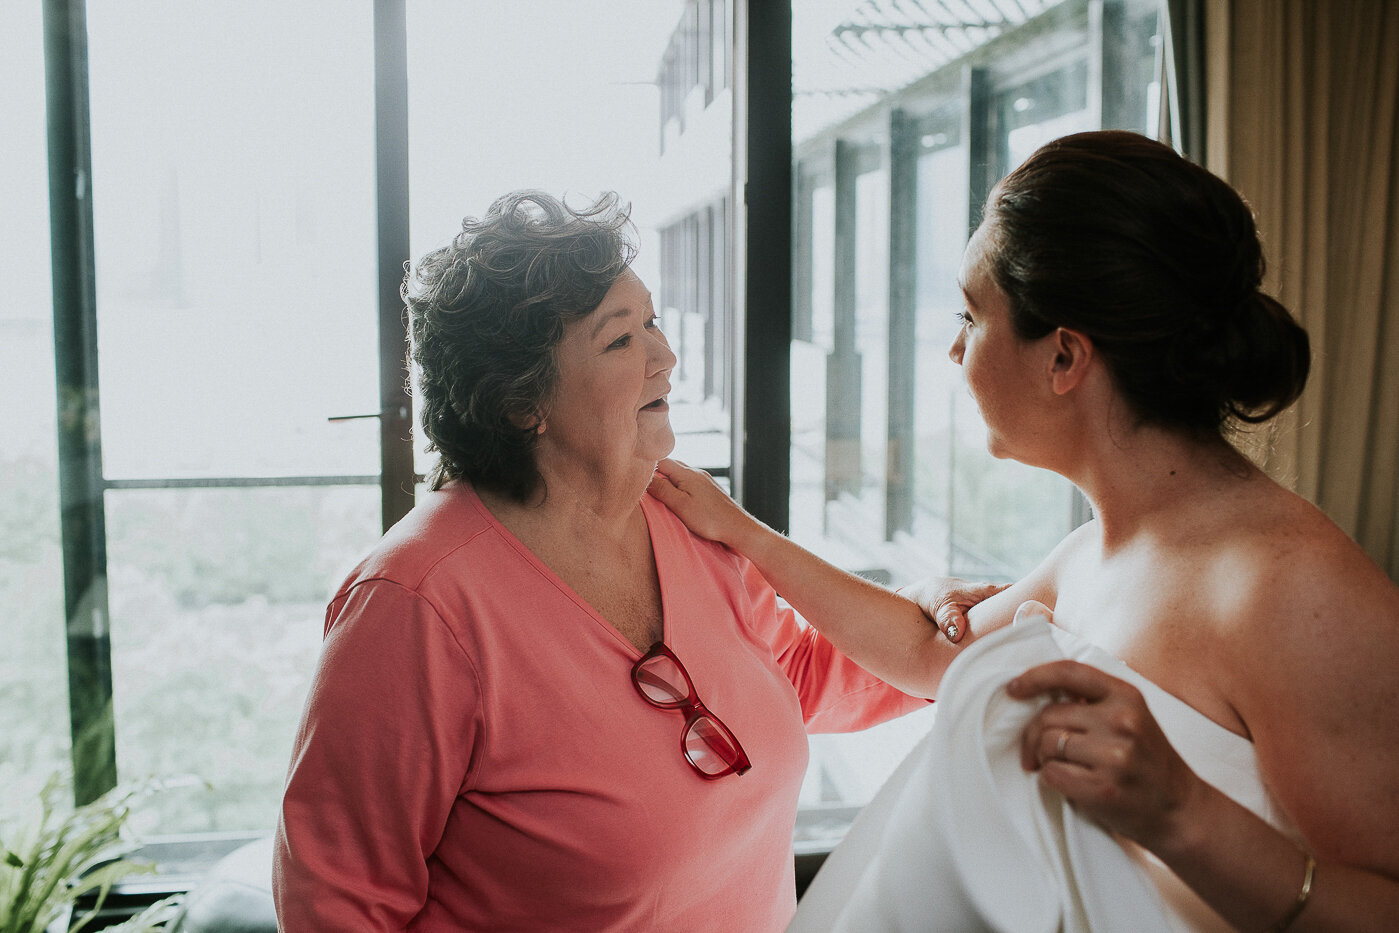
(961, 838)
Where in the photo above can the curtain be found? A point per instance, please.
(1301, 118)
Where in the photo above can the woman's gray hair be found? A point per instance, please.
(486, 313)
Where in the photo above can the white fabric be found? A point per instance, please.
(961, 838)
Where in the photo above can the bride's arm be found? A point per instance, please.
(885, 633)
(1314, 661)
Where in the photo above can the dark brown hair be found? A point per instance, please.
(486, 313)
(1158, 262)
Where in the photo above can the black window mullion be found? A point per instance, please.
(391, 160)
(82, 517)
(763, 435)
(904, 133)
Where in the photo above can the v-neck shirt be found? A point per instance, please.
(473, 754)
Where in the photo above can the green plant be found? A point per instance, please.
(62, 853)
(153, 917)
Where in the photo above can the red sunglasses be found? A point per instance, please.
(707, 744)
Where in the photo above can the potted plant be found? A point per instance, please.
(63, 853)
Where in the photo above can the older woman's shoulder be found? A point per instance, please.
(441, 526)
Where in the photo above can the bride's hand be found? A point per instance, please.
(1097, 743)
(702, 505)
(945, 600)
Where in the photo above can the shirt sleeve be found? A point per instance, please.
(385, 747)
(836, 694)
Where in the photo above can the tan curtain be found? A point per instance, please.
(1301, 118)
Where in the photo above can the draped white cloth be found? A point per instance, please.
(961, 838)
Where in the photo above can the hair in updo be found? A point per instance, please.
(1158, 262)
(486, 313)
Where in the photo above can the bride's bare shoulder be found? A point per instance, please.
(1300, 611)
(1309, 655)
(1297, 557)
(1040, 584)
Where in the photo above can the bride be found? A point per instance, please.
(1206, 737)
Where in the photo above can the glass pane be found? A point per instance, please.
(887, 101)
(233, 192)
(33, 676)
(215, 637)
(234, 213)
(577, 124)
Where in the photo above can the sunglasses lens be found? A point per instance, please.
(710, 748)
(661, 681)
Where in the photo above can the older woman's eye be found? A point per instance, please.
(963, 318)
(620, 342)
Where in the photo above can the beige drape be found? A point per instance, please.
(1301, 118)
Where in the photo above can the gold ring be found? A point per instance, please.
(1063, 741)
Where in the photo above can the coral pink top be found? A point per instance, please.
(473, 755)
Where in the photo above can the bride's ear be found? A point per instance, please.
(1073, 353)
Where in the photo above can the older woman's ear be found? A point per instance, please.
(531, 422)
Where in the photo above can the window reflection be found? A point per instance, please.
(904, 116)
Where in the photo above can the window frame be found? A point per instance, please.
(755, 273)
(82, 483)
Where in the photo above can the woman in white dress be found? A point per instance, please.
(1208, 735)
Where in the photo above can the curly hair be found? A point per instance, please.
(486, 313)
(1158, 261)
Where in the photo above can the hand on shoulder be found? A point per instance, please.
(701, 504)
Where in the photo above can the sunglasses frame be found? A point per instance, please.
(694, 711)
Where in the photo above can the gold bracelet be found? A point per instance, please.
(1295, 910)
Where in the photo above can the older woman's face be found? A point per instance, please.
(609, 411)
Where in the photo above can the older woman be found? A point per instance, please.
(1218, 690)
(542, 703)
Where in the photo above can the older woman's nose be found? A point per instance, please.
(959, 347)
(662, 357)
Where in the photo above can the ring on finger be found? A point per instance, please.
(1063, 743)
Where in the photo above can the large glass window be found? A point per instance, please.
(33, 676)
(237, 317)
(237, 329)
(602, 92)
(904, 115)
(234, 227)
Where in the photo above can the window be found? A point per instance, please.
(581, 119)
(234, 221)
(233, 477)
(903, 117)
(234, 227)
(33, 676)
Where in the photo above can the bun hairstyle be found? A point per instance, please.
(487, 311)
(1158, 262)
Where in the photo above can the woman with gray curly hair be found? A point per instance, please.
(542, 702)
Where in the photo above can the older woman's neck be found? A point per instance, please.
(574, 501)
